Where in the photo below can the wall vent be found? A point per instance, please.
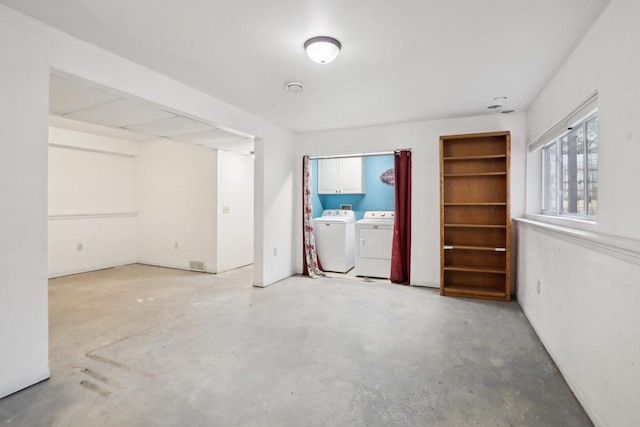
(196, 265)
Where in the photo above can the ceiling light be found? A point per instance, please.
(322, 49)
(294, 87)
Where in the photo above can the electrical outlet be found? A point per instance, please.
(225, 209)
(275, 251)
(80, 247)
(538, 287)
(175, 245)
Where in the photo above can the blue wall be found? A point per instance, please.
(378, 197)
(317, 204)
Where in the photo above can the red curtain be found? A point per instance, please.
(401, 251)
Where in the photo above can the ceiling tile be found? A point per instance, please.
(67, 96)
(214, 135)
(120, 113)
(170, 127)
(78, 126)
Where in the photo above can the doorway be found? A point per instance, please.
(134, 182)
(353, 200)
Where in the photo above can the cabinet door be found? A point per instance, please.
(351, 175)
(328, 176)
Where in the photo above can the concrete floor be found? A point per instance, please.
(143, 346)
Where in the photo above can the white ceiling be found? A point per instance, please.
(401, 60)
(90, 108)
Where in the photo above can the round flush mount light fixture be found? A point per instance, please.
(294, 87)
(322, 49)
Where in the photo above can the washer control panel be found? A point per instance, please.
(379, 215)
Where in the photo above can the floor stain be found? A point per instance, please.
(118, 365)
(94, 387)
(100, 377)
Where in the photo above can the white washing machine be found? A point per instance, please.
(334, 232)
(374, 239)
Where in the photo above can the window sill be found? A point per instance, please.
(618, 247)
(567, 221)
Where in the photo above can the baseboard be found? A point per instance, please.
(584, 402)
(173, 267)
(87, 270)
(426, 285)
(24, 382)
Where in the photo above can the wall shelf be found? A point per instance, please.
(493, 293)
(485, 157)
(462, 175)
(473, 269)
(474, 248)
(475, 226)
(477, 204)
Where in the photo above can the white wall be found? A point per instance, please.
(91, 202)
(423, 138)
(24, 85)
(176, 190)
(97, 183)
(587, 311)
(274, 183)
(35, 49)
(235, 211)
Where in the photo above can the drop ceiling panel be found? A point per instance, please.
(172, 126)
(67, 96)
(120, 113)
(75, 125)
(208, 136)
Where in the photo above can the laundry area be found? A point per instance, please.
(353, 206)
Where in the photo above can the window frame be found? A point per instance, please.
(559, 190)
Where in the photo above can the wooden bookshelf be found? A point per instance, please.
(475, 221)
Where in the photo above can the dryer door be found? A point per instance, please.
(374, 242)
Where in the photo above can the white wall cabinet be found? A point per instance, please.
(341, 176)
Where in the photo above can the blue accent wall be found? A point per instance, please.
(317, 204)
(378, 196)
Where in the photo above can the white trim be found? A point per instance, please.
(24, 382)
(586, 108)
(428, 285)
(370, 154)
(93, 215)
(583, 223)
(91, 150)
(618, 247)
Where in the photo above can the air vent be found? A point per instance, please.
(294, 87)
(196, 265)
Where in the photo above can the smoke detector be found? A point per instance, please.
(294, 87)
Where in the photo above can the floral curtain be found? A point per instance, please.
(311, 263)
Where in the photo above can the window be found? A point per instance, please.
(570, 171)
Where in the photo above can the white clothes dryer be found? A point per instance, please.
(334, 232)
(374, 239)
